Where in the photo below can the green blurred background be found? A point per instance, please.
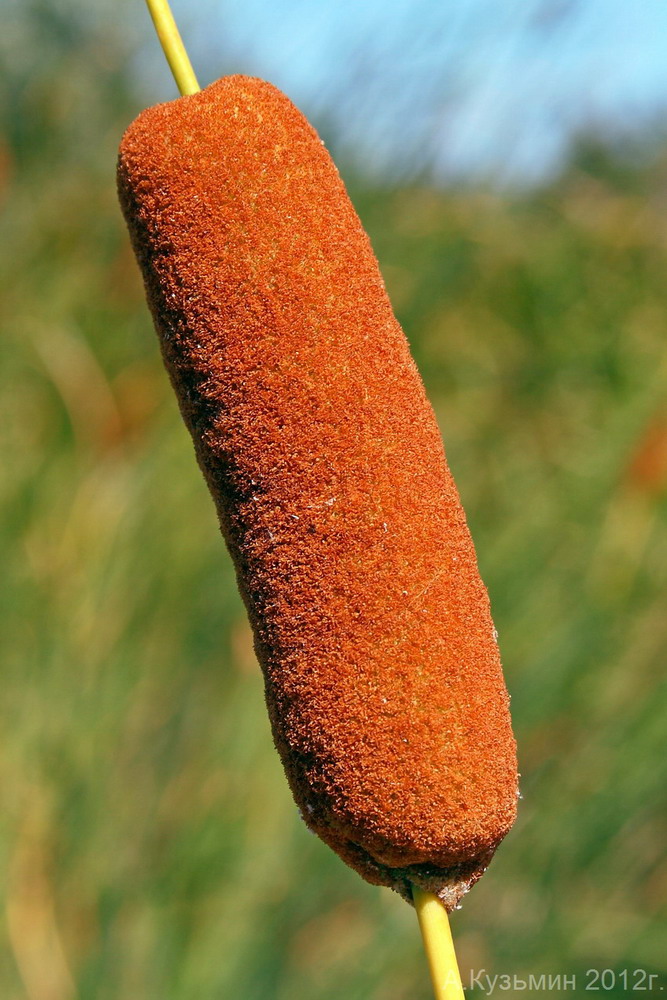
(149, 844)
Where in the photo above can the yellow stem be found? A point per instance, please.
(172, 45)
(438, 945)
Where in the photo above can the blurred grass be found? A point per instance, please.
(149, 844)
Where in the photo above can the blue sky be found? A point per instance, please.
(470, 89)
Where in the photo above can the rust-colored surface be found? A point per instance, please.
(311, 425)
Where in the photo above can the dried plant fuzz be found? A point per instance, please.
(312, 428)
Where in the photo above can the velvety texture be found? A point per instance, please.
(311, 425)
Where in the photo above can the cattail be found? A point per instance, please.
(322, 453)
